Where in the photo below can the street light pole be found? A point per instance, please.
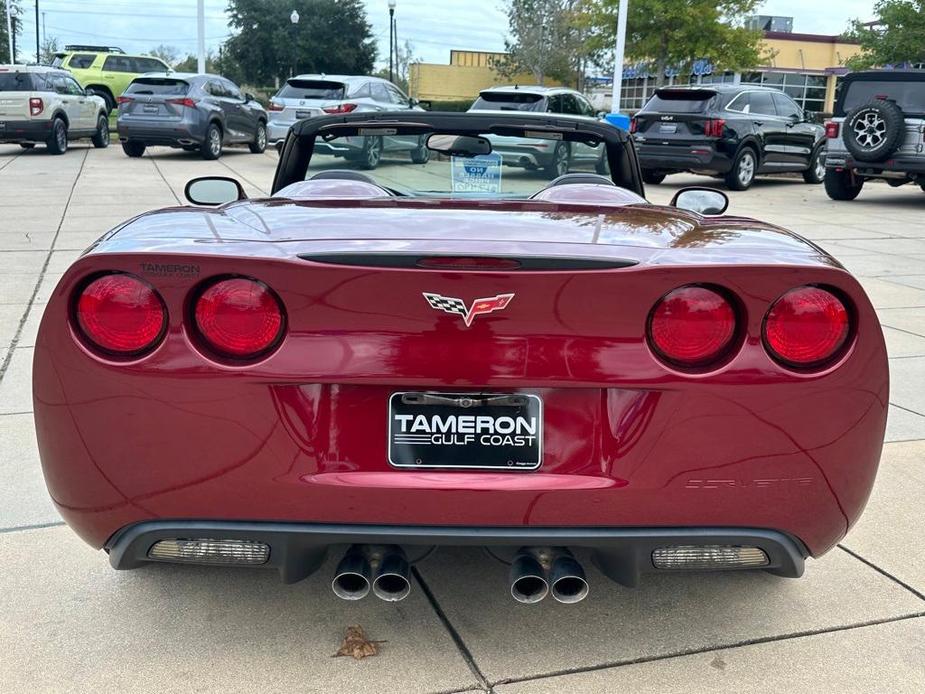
(618, 57)
(37, 45)
(391, 36)
(294, 20)
(10, 34)
(200, 36)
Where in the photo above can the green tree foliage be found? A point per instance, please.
(549, 39)
(897, 37)
(672, 33)
(4, 37)
(402, 67)
(168, 54)
(332, 36)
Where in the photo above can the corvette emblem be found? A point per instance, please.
(451, 304)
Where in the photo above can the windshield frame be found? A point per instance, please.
(297, 151)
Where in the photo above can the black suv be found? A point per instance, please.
(878, 131)
(732, 131)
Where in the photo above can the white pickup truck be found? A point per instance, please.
(44, 104)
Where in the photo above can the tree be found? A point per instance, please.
(549, 38)
(331, 36)
(4, 37)
(675, 34)
(404, 59)
(168, 54)
(47, 50)
(896, 38)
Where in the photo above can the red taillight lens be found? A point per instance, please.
(36, 106)
(275, 107)
(339, 108)
(121, 314)
(186, 101)
(806, 327)
(692, 326)
(239, 317)
(124, 99)
(831, 130)
(634, 124)
(714, 127)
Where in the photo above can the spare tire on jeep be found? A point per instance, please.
(873, 131)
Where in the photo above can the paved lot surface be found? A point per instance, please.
(855, 622)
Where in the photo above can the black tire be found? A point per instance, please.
(841, 185)
(190, 148)
(743, 171)
(560, 162)
(105, 96)
(27, 145)
(372, 153)
(100, 138)
(652, 177)
(133, 148)
(873, 131)
(259, 145)
(420, 155)
(922, 186)
(211, 147)
(57, 141)
(816, 171)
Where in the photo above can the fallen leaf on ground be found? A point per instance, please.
(357, 645)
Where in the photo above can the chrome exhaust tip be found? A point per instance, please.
(351, 578)
(528, 580)
(392, 579)
(567, 578)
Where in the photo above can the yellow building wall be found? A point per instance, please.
(468, 73)
(808, 55)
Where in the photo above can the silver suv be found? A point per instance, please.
(307, 96)
(43, 104)
(878, 131)
(554, 159)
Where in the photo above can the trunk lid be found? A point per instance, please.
(150, 98)
(16, 88)
(676, 114)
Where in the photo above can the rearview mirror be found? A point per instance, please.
(458, 145)
(701, 200)
(213, 190)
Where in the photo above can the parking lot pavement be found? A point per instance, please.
(855, 622)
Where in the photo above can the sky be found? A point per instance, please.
(433, 26)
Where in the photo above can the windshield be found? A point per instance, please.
(152, 85)
(516, 167)
(19, 82)
(909, 95)
(679, 101)
(312, 89)
(508, 101)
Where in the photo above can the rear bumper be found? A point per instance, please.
(898, 165)
(277, 130)
(25, 131)
(298, 549)
(687, 157)
(524, 156)
(169, 135)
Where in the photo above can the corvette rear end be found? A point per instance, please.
(271, 381)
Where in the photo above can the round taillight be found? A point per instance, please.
(806, 327)
(239, 317)
(692, 326)
(121, 314)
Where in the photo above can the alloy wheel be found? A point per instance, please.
(869, 130)
(61, 136)
(746, 168)
(215, 142)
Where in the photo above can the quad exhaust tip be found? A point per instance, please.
(353, 578)
(537, 572)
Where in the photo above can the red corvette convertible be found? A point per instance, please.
(459, 353)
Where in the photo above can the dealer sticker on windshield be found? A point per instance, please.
(483, 431)
(478, 175)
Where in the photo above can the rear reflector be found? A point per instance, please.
(121, 314)
(239, 317)
(831, 130)
(708, 557)
(806, 327)
(206, 551)
(692, 326)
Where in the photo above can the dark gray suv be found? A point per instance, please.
(196, 112)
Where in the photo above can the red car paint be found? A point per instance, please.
(300, 435)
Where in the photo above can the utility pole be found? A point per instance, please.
(10, 34)
(37, 45)
(618, 56)
(391, 36)
(200, 36)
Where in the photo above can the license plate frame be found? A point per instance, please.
(434, 447)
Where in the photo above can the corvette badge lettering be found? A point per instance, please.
(451, 304)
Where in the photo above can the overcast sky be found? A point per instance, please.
(433, 26)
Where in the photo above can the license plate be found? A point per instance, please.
(668, 128)
(303, 114)
(466, 431)
(149, 109)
